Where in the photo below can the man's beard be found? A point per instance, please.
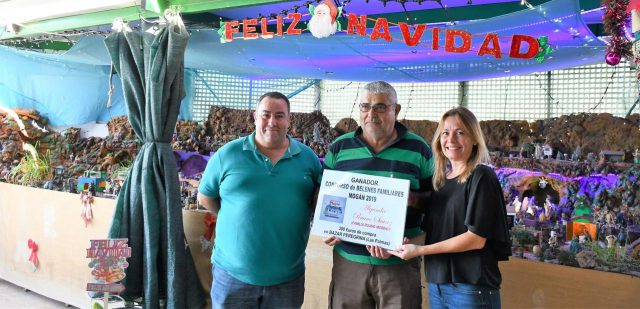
(321, 27)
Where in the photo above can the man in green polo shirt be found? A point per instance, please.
(368, 276)
(261, 187)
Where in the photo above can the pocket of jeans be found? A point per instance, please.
(469, 289)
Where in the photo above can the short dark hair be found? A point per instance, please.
(275, 95)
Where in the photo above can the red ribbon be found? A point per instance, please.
(33, 258)
(210, 221)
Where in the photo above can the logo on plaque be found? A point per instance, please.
(333, 208)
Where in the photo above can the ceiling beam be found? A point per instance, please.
(40, 45)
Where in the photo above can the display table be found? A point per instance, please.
(52, 220)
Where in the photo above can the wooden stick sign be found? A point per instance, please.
(522, 46)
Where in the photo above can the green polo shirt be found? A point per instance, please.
(263, 223)
(408, 157)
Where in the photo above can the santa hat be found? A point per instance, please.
(333, 11)
(633, 5)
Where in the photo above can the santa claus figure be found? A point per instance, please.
(323, 19)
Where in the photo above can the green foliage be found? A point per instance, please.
(523, 236)
(123, 167)
(567, 258)
(613, 258)
(32, 169)
(545, 249)
(549, 254)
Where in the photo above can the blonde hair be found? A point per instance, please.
(479, 153)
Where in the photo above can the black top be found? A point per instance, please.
(478, 206)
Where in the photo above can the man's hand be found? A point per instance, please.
(331, 240)
(378, 252)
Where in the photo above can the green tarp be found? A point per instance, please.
(148, 210)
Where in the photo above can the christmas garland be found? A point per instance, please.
(614, 20)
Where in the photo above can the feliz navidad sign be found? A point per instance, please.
(323, 24)
(108, 261)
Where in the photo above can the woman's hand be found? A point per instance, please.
(331, 240)
(406, 251)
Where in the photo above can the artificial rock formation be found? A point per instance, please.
(592, 132)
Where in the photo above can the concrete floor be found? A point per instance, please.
(13, 296)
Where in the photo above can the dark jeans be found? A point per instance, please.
(229, 292)
(462, 295)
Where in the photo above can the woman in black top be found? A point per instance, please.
(465, 219)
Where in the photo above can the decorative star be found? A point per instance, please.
(223, 32)
(543, 49)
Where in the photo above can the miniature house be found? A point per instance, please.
(612, 155)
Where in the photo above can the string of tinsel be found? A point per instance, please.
(614, 20)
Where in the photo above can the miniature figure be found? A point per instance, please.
(574, 246)
(611, 241)
(538, 152)
(587, 236)
(547, 151)
(553, 240)
(87, 211)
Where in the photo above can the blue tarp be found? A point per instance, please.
(70, 88)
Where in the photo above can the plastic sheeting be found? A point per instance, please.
(69, 89)
(66, 92)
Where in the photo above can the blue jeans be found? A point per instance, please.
(462, 295)
(229, 292)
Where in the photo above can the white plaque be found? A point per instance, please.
(363, 209)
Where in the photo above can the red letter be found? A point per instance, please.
(435, 39)
(376, 33)
(249, 29)
(279, 22)
(495, 51)
(292, 27)
(360, 27)
(230, 28)
(516, 42)
(450, 40)
(411, 41)
(266, 34)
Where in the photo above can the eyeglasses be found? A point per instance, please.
(378, 108)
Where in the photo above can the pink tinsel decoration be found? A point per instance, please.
(614, 19)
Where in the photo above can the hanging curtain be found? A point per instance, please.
(148, 209)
